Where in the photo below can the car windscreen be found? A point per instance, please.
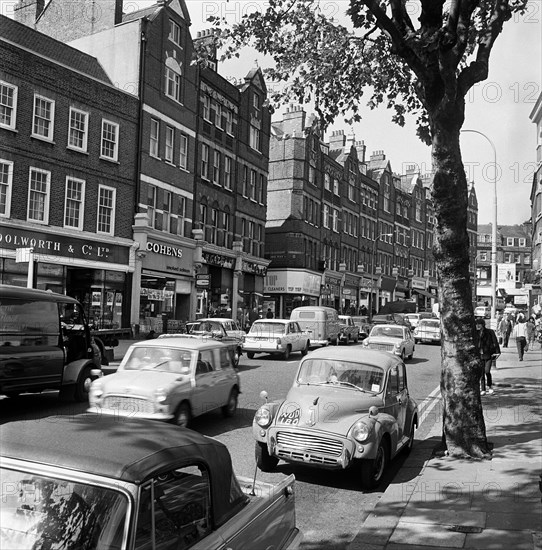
(429, 324)
(268, 328)
(47, 512)
(342, 373)
(161, 359)
(390, 332)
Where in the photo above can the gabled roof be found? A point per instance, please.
(48, 48)
(150, 12)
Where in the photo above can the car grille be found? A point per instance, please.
(381, 347)
(309, 448)
(128, 404)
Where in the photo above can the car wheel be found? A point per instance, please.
(411, 355)
(183, 415)
(250, 354)
(82, 385)
(410, 442)
(402, 356)
(228, 410)
(305, 350)
(264, 461)
(236, 357)
(356, 339)
(372, 470)
(286, 352)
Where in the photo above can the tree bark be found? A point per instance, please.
(461, 368)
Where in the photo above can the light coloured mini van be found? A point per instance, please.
(322, 324)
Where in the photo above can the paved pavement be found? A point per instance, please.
(439, 502)
(436, 502)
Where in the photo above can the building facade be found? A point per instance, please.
(68, 164)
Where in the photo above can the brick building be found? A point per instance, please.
(68, 171)
(196, 230)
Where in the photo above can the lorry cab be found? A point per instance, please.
(322, 324)
(45, 343)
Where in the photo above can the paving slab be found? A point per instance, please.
(495, 539)
(444, 517)
(520, 521)
(423, 534)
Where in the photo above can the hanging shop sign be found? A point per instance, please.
(218, 259)
(256, 269)
(203, 280)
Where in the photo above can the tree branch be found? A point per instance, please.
(478, 70)
(400, 17)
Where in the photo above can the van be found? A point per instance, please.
(482, 311)
(45, 343)
(322, 324)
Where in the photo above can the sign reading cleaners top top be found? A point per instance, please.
(48, 246)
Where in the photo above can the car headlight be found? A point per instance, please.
(160, 395)
(397, 346)
(96, 390)
(361, 431)
(263, 417)
(366, 342)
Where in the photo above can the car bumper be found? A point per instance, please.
(129, 413)
(428, 337)
(263, 347)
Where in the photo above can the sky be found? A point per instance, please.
(497, 111)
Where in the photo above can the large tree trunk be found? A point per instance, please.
(463, 420)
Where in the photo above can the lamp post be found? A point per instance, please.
(377, 271)
(342, 270)
(493, 229)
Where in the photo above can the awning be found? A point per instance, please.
(423, 293)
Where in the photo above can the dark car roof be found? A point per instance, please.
(357, 354)
(130, 450)
(24, 293)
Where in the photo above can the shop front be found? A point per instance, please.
(286, 289)
(166, 285)
(349, 301)
(96, 272)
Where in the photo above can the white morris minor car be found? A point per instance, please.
(428, 330)
(347, 408)
(276, 336)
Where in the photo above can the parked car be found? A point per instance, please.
(428, 330)
(45, 344)
(347, 408)
(172, 379)
(131, 484)
(396, 339)
(482, 311)
(414, 318)
(322, 324)
(276, 336)
(225, 330)
(389, 318)
(349, 331)
(362, 321)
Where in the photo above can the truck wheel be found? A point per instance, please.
(250, 354)
(372, 470)
(82, 386)
(305, 350)
(264, 460)
(183, 415)
(228, 410)
(286, 353)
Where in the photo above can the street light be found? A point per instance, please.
(377, 271)
(493, 229)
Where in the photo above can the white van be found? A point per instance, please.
(322, 324)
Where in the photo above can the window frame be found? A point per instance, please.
(8, 184)
(13, 115)
(169, 151)
(84, 147)
(115, 156)
(174, 26)
(154, 138)
(228, 164)
(255, 138)
(174, 80)
(46, 194)
(204, 166)
(101, 188)
(80, 223)
(51, 119)
(183, 151)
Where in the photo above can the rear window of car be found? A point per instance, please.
(306, 315)
(273, 328)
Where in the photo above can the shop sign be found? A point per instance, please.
(164, 249)
(218, 259)
(347, 292)
(48, 246)
(418, 283)
(203, 280)
(298, 282)
(256, 269)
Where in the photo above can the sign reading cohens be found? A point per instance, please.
(164, 249)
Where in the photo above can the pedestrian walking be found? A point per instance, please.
(489, 349)
(269, 314)
(505, 328)
(520, 334)
(531, 333)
